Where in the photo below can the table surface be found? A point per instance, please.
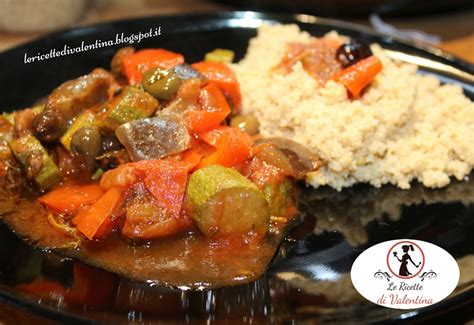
(455, 28)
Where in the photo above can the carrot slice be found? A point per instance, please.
(95, 221)
(356, 77)
(136, 64)
(224, 77)
(68, 199)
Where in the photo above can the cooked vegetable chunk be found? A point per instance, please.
(185, 72)
(116, 65)
(70, 198)
(36, 161)
(87, 118)
(292, 158)
(154, 138)
(131, 104)
(154, 210)
(223, 202)
(223, 77)
(69, 99)
(87, 143)
(280, 198)
(359, 75)
(135, 65)
(219, 55)
(161, 83)
(96, 221)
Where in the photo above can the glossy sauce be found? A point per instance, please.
(188, 261)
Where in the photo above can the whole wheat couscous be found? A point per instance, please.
(405, 126)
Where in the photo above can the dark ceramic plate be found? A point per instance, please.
(308, 279)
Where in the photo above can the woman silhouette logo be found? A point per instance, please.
(405, 259)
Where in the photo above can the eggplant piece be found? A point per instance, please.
(23, 120)
(290, 156)
(36, 161)
(69, 99)
(185, 72)
(223, 202)
(154, 138)
(131, 104)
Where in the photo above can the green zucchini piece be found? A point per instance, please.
(223, 202)
(87, 118)
(220, 55)
(279, 197)
(36, 161)
(131, 104)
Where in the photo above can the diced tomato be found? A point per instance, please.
(137, 63)
(214, 110)
(223, 77)
(122, 176)
(167, 183)
(232, 146)
(356, 77)
(68, 199)
(95, 221)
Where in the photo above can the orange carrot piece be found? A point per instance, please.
(356, 77)
(68, 199)
(94, 221)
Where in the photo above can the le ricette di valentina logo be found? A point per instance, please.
(405, 274)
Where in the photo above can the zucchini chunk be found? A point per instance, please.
(223, 202)
(131, 104)
(36, 161)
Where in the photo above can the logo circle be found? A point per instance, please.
(406, 246)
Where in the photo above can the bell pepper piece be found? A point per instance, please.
(68, 199)
(95, 221)
(358, 76)
(214, 110)
(232, 146)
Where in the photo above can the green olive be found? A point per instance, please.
(247, 123)
(87, 142)
(161, 83)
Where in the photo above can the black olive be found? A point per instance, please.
(352, 52)
(48, 126)
(110, 143)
